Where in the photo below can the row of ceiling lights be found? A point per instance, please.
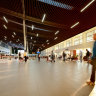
(37, 33)
(43, 21)
(82, 11)
(75, 23)
(13, 35)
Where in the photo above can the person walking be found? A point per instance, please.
(93, 62)
(25, 56)
(19, 56)
(39, 57)
(64, 55)
(87, 55)
(52, 56)
(80, 56)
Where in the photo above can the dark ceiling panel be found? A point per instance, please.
(56, 19)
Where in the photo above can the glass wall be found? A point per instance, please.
(68, 43)
(78, 40)
(89, 35)
(86, 36)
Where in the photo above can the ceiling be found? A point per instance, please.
(60, 15)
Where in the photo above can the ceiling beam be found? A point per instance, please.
(30, 33)
(32, 19)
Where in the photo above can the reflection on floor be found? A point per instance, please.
(93, 93)
(44, 78)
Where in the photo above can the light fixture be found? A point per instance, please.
(43, 17)
(10, 41)
(55, 38)
(47, 40)
(74, 25)
(31, 37)
(37, 34)
(5, 26)
(5, 36)
(87, 5)
(32, 27)
(5, 19)
(42, 44)
(56, 32)
(34, 41)
(48, 43)
(17, 41)
(13, 36)
(14, 33)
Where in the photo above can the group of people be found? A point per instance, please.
(91, 58)
(69, 57)
(25, 57)
(51, 57)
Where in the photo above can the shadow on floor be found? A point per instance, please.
(83, 91)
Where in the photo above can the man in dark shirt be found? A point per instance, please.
(87, 54)
(64, 55)
(93, 62)
(52, 56)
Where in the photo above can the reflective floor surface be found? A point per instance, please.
(44, 78)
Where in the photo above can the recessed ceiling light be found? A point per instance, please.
(55, 38)
(32, 27)
(5, 26)
(13, 36)
(34, 41)
(14, 33)
(87, 5)
(56, 32)
(18, 39)
(5, 19)
(37, 34)
(48, 43)
(43, 17)
(42, 44)
(5, 36)
(47, 40)
(74, 25)
(10, 41)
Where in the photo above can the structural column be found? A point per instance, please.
(24, 32)
(24, 26)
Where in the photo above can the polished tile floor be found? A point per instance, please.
(44, 78)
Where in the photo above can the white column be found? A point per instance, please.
(24, 27)
(24, 32)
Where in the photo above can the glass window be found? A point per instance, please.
(90, 36)
(68, 43)
(78, 40)
(95, 31)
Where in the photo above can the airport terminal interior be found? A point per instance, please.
(47, 47)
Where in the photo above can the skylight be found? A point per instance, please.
(57, 4)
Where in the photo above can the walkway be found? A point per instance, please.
(44, 78)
